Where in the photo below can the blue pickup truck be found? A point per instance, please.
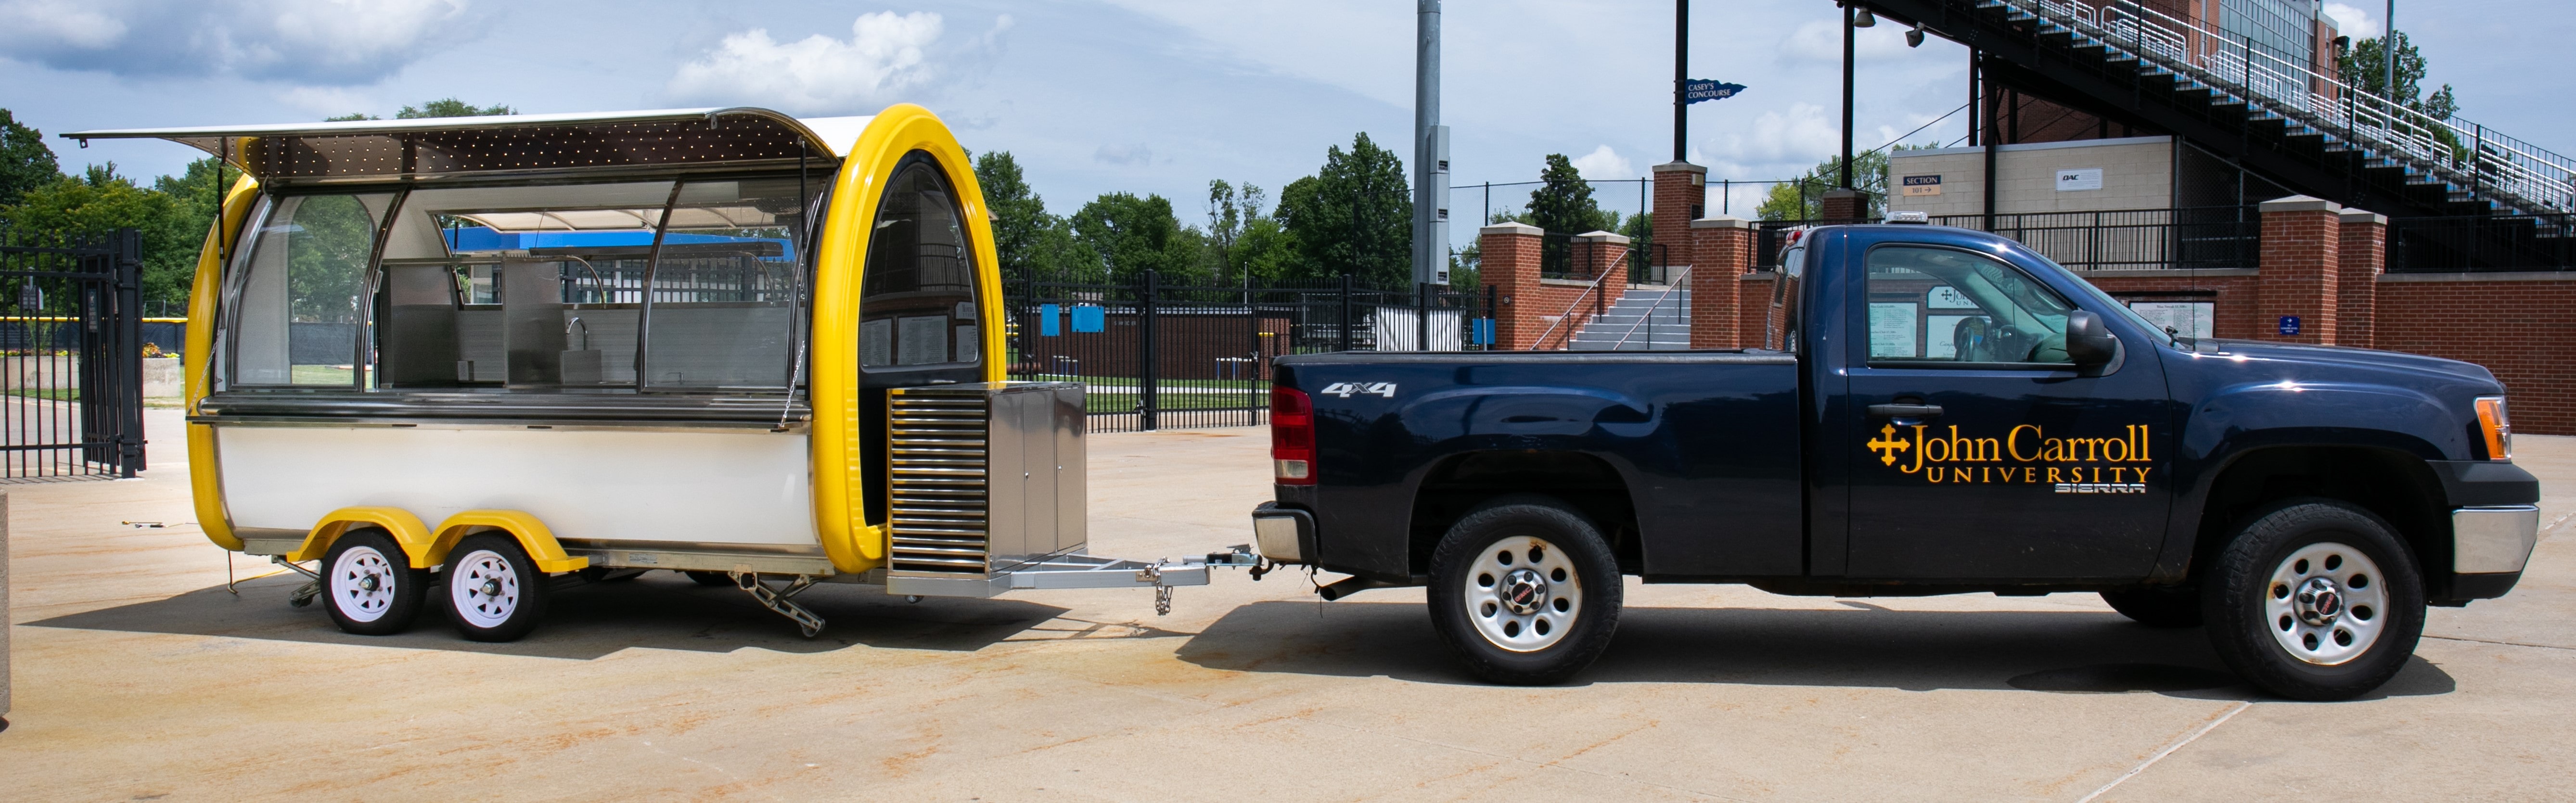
(1933, 411)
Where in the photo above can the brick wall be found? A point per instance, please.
(2515, 324)
(2302, 238)
(1722, 250)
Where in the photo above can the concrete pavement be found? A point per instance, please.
(139, 677)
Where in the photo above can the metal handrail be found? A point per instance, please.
(1671, 287)
(1541, 342)
(2519, 171)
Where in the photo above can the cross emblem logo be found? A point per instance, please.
(1887, 445)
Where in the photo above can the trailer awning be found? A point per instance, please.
(359, 150)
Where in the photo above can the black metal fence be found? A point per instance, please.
(2134, 239)
(71, 355)
(2484, 243)
(1157, 356)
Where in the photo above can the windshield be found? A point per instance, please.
(2116, 306)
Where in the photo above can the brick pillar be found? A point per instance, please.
(1843, 206)
(1722, 251)
(1681, 196)
(2298, 274)
(1603, 254)
(1508, 257)
(2359, 259)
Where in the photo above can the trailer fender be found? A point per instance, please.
(405, 528)
(532, 534)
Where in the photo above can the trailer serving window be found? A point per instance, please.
(918, 306)
(534, 286)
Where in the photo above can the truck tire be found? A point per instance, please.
(494, 592)
(2315, 600)
(1525, 591)
(2157, 607)
(369, 585)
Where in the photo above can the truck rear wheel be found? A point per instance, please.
(494, 592)
(2315, 600)
(372, 589)
(1525, 591)
(2157, 607)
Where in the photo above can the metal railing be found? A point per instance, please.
(1679, 283)
(2133, 239)
(2467, 155)
(2482, 243)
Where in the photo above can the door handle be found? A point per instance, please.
(1905, 411)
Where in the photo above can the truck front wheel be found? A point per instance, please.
(2315, 600)
(1525, 590)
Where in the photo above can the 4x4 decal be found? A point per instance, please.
(1345, 389)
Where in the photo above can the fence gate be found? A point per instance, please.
(71, 358)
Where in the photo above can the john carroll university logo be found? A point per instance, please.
(2025, 455)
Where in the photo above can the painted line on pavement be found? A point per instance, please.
(2169, 750)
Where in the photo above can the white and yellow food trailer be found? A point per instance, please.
(464, 361)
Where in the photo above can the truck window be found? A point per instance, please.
(298, 305)
(1941, 306)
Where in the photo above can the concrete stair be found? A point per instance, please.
(1651, 318)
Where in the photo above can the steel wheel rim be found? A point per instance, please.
(486, 589)
(362, 584)
(2326, 604)
(1523, 594)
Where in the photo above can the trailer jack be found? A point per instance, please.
(780, 601)
(303, 594)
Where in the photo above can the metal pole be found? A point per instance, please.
(1847, 95)
(1346, 312)
(1426, 115)
(2388, 56)
(128, 343)
(1993, 142)
(1681, 71)
(1146, 375)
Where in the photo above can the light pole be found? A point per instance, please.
(1848, 7)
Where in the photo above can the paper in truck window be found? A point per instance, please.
(2186, 318)
(921, 340)
(1891, 330)
(876, 342)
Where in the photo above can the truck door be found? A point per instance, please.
(1981, 451)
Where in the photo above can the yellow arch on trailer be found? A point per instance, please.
(532, 534)
(405, 528)
(840, 464)
(204, 486)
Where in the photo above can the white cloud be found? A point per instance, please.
(1822, 41)
(327, 101)
(886, 53)
(1603, 163)
(2354, 22)
(330, 42)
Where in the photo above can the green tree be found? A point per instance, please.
(97, 203)
(1563, 203)
(2364, 65)
(25, 162)
(1804, 197)
(449, 107)
(1353, 216)
(171, 242)
(1021, 225)
(1132, 235)
(1245, 242)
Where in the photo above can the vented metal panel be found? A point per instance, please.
(936, 481)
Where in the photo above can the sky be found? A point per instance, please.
(1143, 96)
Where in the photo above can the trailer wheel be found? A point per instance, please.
(711, 579)
(2157, 607)
(1525, 591)
(494, 592)
(2315, 600)
(371, 587)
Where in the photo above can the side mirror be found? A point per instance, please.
(2088, 342)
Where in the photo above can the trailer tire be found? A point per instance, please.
(1525, 591)
(2157, 607)
(711, 579)
(2315, 600)
(494, 592)
(369, 585)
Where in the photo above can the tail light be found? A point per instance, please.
(1292, 437)
(2497, 427)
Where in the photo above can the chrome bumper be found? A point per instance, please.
(1282, 533)
(2490, 540)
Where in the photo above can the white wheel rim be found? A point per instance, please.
(1523, 594)
(362, 584)
(2326, 604)
(486, 589)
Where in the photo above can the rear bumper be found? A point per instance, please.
(1283, 534)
